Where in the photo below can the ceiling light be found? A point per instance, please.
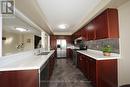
(63, 26)
(21, 29)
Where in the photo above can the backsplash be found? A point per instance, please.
(98, 44)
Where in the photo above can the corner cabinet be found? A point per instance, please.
(101, 73)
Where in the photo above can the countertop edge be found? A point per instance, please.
(37, 67)
(97, 58)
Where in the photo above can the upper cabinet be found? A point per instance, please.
(103, 26)
(106, 24)
(91, 31)
(84, 33)
(53, 42)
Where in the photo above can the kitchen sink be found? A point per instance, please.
(43, 53)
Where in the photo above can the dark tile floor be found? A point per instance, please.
(65, 74)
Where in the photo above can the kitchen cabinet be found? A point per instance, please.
(92, 71)
(82, 63)
(53, 42)
(101, 73)
(91, 30)
(103, 26)
(69, 53)
(106, 24)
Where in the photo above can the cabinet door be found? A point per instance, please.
(69, 53)
(101, 26)
(79, 61)
(91, 31)
(92, 71)
(87, 67)
(83, 63)
(53, 42)
(84, 33)
(108, 73)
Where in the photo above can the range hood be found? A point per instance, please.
(77, 40)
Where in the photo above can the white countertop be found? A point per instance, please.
(98, 55)
(24, 63)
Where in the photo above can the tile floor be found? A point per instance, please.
(65, 74)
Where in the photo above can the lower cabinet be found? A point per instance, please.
(92, 71)
(101, 73)
(69, 53)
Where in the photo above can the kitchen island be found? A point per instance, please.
(26, 71)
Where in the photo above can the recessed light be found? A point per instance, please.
(21, 29)
(63, 26)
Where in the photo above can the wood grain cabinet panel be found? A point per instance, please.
(106, 24)
(69, 53)
(101, 73)
(107, 73)
(91, 31)
(92, 71)
(19, 78)
(53, 42)
(84, 33)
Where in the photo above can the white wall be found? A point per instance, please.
(0, 35)
(28, 45)
(124, 27)
(9, 45)
(13, 39)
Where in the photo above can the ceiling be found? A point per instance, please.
(69, 12)
(48, 14)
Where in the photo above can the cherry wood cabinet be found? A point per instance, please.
(91, 31)
(84, 33)
(103, 26)
(106, 24)
(69, 53)
(25, 78)
(92, 71)
(101, 73)
(53, 42)
(107, 73)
